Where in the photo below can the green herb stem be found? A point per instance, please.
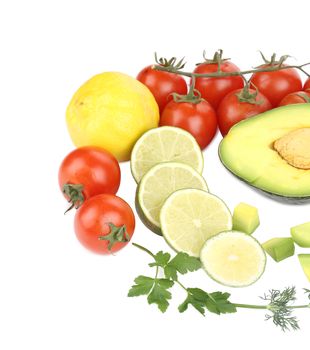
(144, 249)
(181, 285)
(266, 307)
(249, 306)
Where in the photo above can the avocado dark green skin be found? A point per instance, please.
(274, 196)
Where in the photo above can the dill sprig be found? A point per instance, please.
(280, 308)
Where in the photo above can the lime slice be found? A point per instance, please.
(189, 217)
(157, 185)
(233, 258)
(165, 144)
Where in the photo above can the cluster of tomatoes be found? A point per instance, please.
(89, 178)
(224, 100)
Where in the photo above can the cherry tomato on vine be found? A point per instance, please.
(86, 172)
(238, 105)
(162, 84)
(295, 97)
(307, 85)
(104, 224)
(197, 118)
(215, 89)
(277, 84)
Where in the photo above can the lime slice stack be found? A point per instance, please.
(190, 216)
(158, 184)
(233, 258)
(165, 144)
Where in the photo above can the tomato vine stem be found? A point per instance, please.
(220, 74)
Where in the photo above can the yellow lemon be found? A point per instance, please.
(111, 110)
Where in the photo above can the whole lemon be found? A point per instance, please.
(111, 110)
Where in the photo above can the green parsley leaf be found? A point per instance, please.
(198, 305)
(195, 297)
(181, 263)
(155, 288)
(161, 259)
(218, 303)
(159, 294)
(143, 286)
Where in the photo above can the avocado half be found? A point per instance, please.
(271, 152)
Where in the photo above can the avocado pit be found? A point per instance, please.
(294, 148)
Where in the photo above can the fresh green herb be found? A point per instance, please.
(279, 306)
(216, 302)
(158, 292)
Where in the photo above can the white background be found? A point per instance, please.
(56, 295)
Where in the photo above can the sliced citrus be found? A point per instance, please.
(157, 185)
(233, 258)
(190, 216)
(165, 144)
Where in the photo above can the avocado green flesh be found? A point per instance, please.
(245, 218)
(247, 151)
(279, 248)
(301, 234)
(304, 260)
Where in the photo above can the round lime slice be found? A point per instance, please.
(157, 185)
(165, 144)
(233, 258)
(190, 216)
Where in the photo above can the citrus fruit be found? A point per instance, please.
(111, 110)
(233, 258)
(158, 183)
(165, 144)
(190, 216)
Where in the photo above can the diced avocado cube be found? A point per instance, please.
(279, 248)
(301, 234)
(304, 260)
(245, 218)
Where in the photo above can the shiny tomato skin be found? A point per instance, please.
(276, 85)
(294, 98)
(215, 89)
(95, 168)
(162, 84)
(92, 219)
(198, 119)
(307, 85)
(232, 111)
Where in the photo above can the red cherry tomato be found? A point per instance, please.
(104, 224)
(215, 89)
(199, 119)
(86, 172)
(276, 85)
(307, 85)
(162, 84)
(231, 110)
(296, 97)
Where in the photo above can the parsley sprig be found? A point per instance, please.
(157, 289)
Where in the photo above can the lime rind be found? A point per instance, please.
(165, 144)
(229, 235)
